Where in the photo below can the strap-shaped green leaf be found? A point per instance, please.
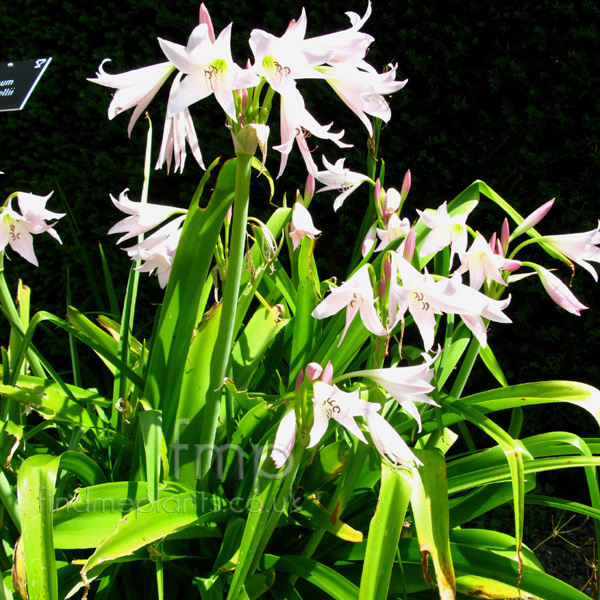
(384, 533)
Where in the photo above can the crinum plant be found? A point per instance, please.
(280, 436)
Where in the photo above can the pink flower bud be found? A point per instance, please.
(493, 242)
(327, 376)
(533, 219)
(559, 292)
(499, 250)
(369, 240)
(309, 189)
(377, 196)
(511, 265)
(405, 186)
(313, 371)
(505, 237)
(409, 245)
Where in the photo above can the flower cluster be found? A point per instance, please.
(205, 67)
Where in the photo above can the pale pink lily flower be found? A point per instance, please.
(134, 88)
(349, 46)
(406, 385)
(337, 177)
(302, 225)
(295, 121)
(331, 402)
(355, 295)
(16, 229)
(558, 291)
(389, 444)
(210, 70)
(177, 130)
(363, 92)
(390, 204)
(481, 262)
(424, 297)
(395, 228)
(579, 247)
(34, 214)
(482, 306)
(143, 216)
(445, 231)
(157, 251)
(283, 60)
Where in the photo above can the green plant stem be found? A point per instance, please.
(9, 306)
(222, 352)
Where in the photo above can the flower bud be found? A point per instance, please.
(313, 371)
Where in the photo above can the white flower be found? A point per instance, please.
(406, 384)
(445, 231)
(16, 229)
(144, 216)
(210, 70)
(302, 225)
(157, 251)
(389, 444)
(337, 177)
(177, 130)
(134, 88)
(355, 295)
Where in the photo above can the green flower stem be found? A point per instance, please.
(231, 286)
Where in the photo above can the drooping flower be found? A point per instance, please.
(579, 247)
(295, 124)
(349, 46)
(177, 130)
(144, 216)
(363, 92)
(134, 88)
(389, 444)
(302, 225)
(558, 291)
(406, 385)
(445, 231)
(16, 229)
(157, 251)
(210, 69)
(337, 177)
(355, 295)
(482, 306)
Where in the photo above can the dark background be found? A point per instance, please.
(503, 91)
